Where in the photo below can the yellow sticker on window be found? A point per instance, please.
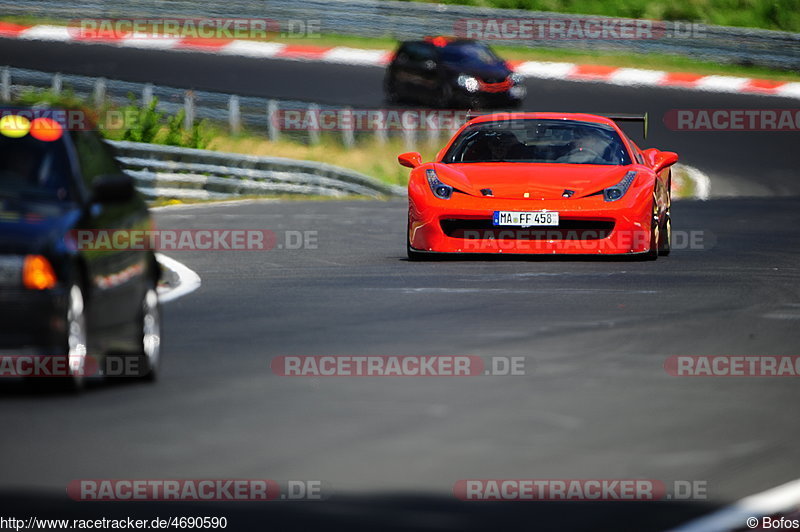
(14, 126)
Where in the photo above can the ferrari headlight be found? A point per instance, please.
(617, 191)
(439, 189)
(517, 78)
(467, 82)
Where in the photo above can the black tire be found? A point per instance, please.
(655, 232)
(390, 91)
(665, 245)
(445, 100)
(74, 347)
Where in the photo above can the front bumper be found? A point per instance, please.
(511, 97)
(588, 226)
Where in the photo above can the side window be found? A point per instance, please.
(95, 157)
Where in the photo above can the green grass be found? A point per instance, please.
(671, 63)
(768, 14)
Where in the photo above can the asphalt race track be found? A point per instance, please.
(596, 401)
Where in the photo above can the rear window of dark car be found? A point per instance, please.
(32, 169)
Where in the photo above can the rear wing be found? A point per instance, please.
(629, 118)
(616, 117)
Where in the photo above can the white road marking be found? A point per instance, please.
(733, 517)
(188, 282)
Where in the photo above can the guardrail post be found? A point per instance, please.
(433, 129)
(188, 106)
(147, 94)
(234, 115)
(348, 128)
(273, 126)
(57, 83)
(99, 93)
(409, 133)
(313, 132)
(381, 129)
(5, 84)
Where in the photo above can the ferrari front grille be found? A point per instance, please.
(567, 229)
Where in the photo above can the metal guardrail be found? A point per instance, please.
(405, 20)
(256, 115)
(172, 172)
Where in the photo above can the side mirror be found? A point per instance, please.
(649, 155)
(663, 159)
(411, 159)
(113, 188)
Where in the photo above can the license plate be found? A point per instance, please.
(525, 218)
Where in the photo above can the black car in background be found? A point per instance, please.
(69, 302)
(457, 73)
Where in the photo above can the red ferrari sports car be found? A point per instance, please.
(541, 183)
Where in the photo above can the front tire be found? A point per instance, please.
(655, 234)
(390, 90)
(665, 246)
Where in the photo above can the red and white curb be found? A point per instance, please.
(358, 56)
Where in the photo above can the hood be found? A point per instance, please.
(33, 228)
(539, 180)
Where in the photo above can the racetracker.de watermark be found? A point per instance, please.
(732, 119)
(190, 239)
(733, 366)
(574, 28)
(148, 28)
(589, 241)
(347, 119)
(603, 489)
(197, 490)
(49, 366)
(13, 120)
(397, 366)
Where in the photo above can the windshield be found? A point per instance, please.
(35, 170)
(539, 141)
(467, 54)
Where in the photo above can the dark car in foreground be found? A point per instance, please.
(458, 73)
(63, 301)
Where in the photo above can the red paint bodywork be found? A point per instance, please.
(632, 215)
